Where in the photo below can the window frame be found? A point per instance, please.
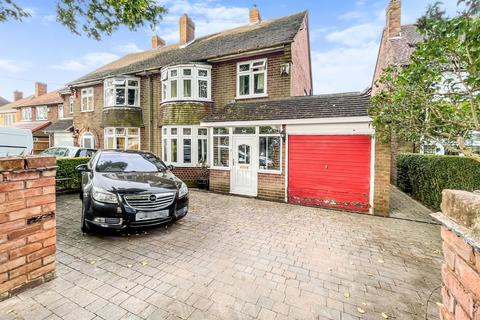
(270, 135)
(229, 147)
(61, 111)
(89, 94)
(71, 103)
(180, 136)
(107, 134)
(110, 84)
(9, 119)
(44, 112)
(29, 114)
(180, 78)
(90, 136)
(251, 73)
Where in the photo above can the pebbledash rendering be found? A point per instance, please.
(236, 108)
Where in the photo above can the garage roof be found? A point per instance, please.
(62, 125)
(349, 104)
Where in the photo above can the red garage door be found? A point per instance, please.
(329, 171)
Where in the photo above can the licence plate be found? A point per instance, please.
(140, 216)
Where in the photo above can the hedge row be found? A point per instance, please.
(425, 176)
(68, 178)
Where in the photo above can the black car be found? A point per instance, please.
(130, 189)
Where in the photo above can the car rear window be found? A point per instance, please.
(129, 162)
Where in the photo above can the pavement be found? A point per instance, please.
(240, 258)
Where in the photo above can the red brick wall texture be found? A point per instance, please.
(461, 279)
(27, 223)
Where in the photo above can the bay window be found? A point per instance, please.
(270, 147)
(186, 82)
(27, 114)
(122, 92)
(41, 113)
(122, 138)
(221, 147)
(252, 79)
(86, 100)
(185, 145)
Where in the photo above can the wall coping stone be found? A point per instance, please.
(470, 237)
(21, 163)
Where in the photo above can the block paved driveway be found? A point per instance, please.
(238, 258)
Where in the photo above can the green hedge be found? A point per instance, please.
(68, 178)
(425, 176)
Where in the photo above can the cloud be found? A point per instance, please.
(356, 35)
(87, 62)
(128, 48)
(14, 66)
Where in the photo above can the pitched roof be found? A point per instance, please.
(266, 34)
(349, 104)
(60, 125)
(31, 125)
(10, 107)
(45, 99)
(404, 45)
(3, 101)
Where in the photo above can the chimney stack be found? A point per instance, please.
(187, 29)
(394, 14)
(40, 89)
(157, 42)
(255, 15)
(17, 95)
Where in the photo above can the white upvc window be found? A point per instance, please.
(71, 101)
(61, 114)
(122, 138)
(27, 114)
(221, 147)
(41, 113)
(9, 119)
(86, 100)
(270, 149)
(252, 79)
(186, 83)
(185, 145)
(87, 140)
(122, 92)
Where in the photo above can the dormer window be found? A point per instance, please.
(122, 92)
(186, 83)
(252, 79)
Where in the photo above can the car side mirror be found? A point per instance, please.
(82, 168)
(170, 167)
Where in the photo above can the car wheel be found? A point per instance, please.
(85, 228)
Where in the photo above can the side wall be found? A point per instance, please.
(89, 121)
(301, 74)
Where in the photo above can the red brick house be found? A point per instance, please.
(240, 103)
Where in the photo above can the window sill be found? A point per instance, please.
(85, 111)
(220, 168)
(251, 97)
(121, 107)
(270, 171)
(187, 100)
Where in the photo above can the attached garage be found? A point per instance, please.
(330, 171)
(61, 133)
(64, 139)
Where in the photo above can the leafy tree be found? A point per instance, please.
(436, 97)
(95, 17)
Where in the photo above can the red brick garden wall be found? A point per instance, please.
(27, 223)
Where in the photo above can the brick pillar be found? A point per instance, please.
(27, 223)
(381, 195)
(461, 251)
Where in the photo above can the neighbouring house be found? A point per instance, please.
(238, 102)
(37, 112)
(8, 112)
(3, 101)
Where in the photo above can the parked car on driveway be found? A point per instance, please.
(130, 189)
(68, 152)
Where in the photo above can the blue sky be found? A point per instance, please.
(344, 39)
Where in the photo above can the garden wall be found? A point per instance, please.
(425, 176)
(27, 223)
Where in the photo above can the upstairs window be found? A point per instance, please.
(41, 113)
(252, 79)
(86, 100)
(27, 114)
(122, 92)
(186, 82)
(61, 115)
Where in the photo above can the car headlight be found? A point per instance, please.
(103, 196)
(182, 192)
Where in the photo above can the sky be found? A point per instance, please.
(344, 36)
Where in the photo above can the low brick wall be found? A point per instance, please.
(27, 223)
(190, 175)
(461, 250)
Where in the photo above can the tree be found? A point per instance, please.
(95, 17)
(436, 97)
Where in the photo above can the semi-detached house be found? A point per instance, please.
(240, 103)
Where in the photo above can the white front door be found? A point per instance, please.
(243, 178)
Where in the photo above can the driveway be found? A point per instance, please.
(239, 258)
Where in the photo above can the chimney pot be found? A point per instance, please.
(40, 89)
(255, 15)
(394, 13)
(17, 95)
(157, 42)
(187, 29)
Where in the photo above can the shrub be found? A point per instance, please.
(68, 178)
(425, 176)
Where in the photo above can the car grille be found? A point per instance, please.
(150, 202)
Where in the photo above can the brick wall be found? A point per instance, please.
(381, 200)
(301, 74)
(189, 175)
(27, 223)
(220, 181)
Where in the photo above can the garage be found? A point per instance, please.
(61, 132)
(63, 139)
(332, 171)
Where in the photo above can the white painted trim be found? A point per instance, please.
(286, 168)
(251, 75)
(287, 121)
(348, 128)
(372, 175)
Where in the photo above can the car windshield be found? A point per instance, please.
(129, 162)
